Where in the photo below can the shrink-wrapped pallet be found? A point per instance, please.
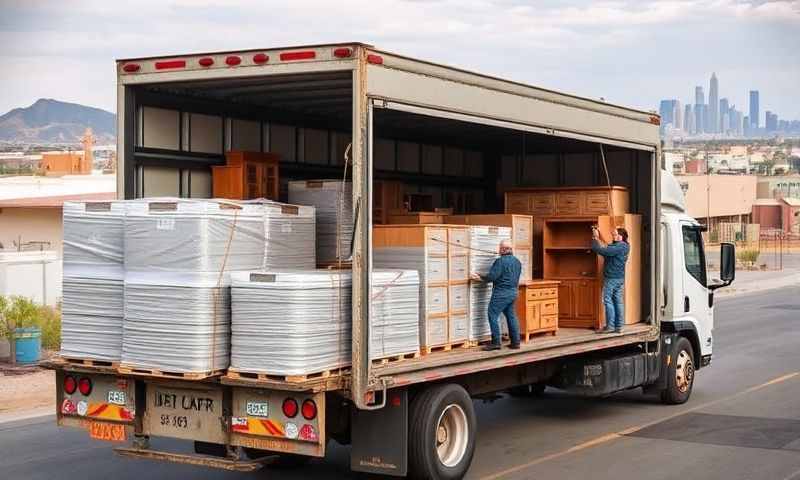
(289, 233)
(394, 313)
(92, 288)
(333, 201)
(483, 242)
(291, 323)
(177, 301)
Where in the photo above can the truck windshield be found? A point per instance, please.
(693, 254)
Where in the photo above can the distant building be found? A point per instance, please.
(754, 108)
(677, 113)
(713, 199)
(777, 214)
(688, 119)
(699, 109)
(713, 104)
(771, 122)
(695, 166)
(782, 186)
(667, 109)
(724, 116)
(65, 163)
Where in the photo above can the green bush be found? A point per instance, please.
(748, 256)
(23, 312)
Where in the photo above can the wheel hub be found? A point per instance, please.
(684, 371)
(452, 435)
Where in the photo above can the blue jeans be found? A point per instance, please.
(504, 304)
(613, 290)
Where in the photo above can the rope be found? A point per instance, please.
(608, 182)
(491, 252)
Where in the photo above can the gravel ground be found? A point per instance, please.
(25, 392)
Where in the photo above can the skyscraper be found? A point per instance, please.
(771, 122)
(666, 109)
(754, 108)
(713, 105)
(688, 119)
(699, 109)
(677, 115)
(724, 115)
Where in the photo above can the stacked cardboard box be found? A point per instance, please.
(93, 272)
(483, 252)
(440, 254)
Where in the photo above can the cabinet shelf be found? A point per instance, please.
(574, 248)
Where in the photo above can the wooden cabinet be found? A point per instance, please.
(387, 197)
(247, 175)
(578, 303)
(537, 308)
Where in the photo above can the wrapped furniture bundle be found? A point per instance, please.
(289, 232)
(483, 240)
(177, 300)
(291, 323)
(394, 313)
(333, 201)
(91, 324)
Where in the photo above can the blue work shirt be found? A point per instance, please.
(615, 255)
(504, 275)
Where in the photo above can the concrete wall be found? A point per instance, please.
(32, 224)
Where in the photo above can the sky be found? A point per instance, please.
(633, 53)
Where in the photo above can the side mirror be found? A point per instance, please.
(727, 266)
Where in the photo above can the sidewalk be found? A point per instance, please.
(756, 281)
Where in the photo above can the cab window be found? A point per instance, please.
(693, 254)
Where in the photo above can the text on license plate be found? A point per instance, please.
(257, 409)
(107, 431)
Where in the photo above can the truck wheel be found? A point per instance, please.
(532, 390)
(680, 374)
(282, 460)
(442, 430)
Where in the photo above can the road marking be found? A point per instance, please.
(615, 435)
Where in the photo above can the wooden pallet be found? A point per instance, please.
(446, 347)
(267, 377)
(88, 362)
(527, 337)
(396, 358)
(152, 372)
(335, 265)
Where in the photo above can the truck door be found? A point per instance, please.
(695, 291)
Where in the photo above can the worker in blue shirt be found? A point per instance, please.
(504, 277)
(615, 254)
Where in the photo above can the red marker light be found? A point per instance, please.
(302, 55)
(85, 386)
(290, 407)
(70, 385)
(170, 64)
(233, 60)
(375, 59)
(131, 67)
(309, 409)
(260, 58)
(342, 52)
(206, 61)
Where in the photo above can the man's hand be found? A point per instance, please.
(595, 233)
(476, 277)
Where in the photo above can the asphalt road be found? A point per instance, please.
(743, 422)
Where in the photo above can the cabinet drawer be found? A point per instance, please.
(518, 203)
(596, 203)
(548, 321)
(543, 204)
(548, 292)
(436, 241)
(568, 203)
(550, 307)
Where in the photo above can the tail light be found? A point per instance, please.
(290, 407)
(233, 60)
(309, 410)
(375, 59)
(260, 58)
(85, 386)
(70, 385)
(130, 67)
(206, 61)
(342, 52)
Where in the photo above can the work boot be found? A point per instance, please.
(605, 330)
(492, 346)
(514, 346)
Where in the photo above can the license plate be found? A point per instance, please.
(107, 431)
(257, 409)
(116, 397)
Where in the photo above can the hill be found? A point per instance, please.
(52, 121)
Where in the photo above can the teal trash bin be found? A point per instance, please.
(28, 344)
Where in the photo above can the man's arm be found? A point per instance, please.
(611, 250)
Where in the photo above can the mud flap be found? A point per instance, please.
(380, 437)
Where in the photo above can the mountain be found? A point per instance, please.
(52, 121)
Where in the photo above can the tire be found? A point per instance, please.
(282, 460)
(442, 430)
(531, 390)
(680, 374)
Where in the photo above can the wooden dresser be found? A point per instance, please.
(537, 308)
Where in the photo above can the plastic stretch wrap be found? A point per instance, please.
(394, 313)
(92, 291)
(193, 236)
(291, 323)
(333, 201)
(290, 232)
(482, 241)
(176, 322)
